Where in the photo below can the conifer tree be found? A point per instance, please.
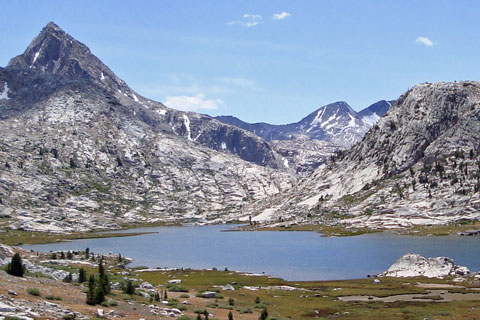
(82, 275)
(16, 267)
(91, 290)
(130, 289)
(264, 314)
(230, 316)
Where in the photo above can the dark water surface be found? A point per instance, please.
(289, 255)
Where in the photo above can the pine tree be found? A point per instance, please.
(69, 255)
(230, 316)
(87, 253)
(264, 314)
(165, 295)
(157, 296)
(103, 278)
(16, 267)
(91, 290)
(130, 289)
(205, 313)
(198, 317)
(99, 294)
(62, 255)
(68, 277)
(82, 275)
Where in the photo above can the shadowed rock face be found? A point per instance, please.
(81, 150)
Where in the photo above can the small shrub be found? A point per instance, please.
(176, 288)
(113, 303)
(34, 292)
(184, 318)
(184, 296)
(181, 307)
(172, 302)
(199, 311)
(244, 310)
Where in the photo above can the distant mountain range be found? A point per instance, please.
(336, 123)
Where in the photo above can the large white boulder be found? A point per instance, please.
(414, 265)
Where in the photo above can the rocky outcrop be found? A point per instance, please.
(418, 165)
(414, 265)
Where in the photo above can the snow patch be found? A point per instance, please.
(223, 146)
(325, 124)
(186, 122)
(351, 123)
(102, 76)
(4, 94)
(371, 119)
(161, 112)
(135, 97)
(319, 116)
(35, 57)
(285, 163)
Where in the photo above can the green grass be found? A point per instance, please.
(319, 299)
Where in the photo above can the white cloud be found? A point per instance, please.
(424, 41)
(238, 82)
(281, 15)
(192, 103)
(249, 20)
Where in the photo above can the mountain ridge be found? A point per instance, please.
(418, 165)
(336, 123)
(82, 152)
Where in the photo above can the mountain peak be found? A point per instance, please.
(52, 26)
(56, 52)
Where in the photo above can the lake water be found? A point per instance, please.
(289, 255)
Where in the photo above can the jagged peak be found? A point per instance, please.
(53, 26)
(55, 51)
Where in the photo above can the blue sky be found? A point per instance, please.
(274, 61)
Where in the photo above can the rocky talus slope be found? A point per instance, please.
(418, 165)
(81, 150)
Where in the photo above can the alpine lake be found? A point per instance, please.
(296, 275)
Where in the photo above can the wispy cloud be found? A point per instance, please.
(424, 41)
(280, 16)
(248, 20)
(237, 82)
(192, 103)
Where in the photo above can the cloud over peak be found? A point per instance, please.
(424, 41)
(192, 103)
(280, 16)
